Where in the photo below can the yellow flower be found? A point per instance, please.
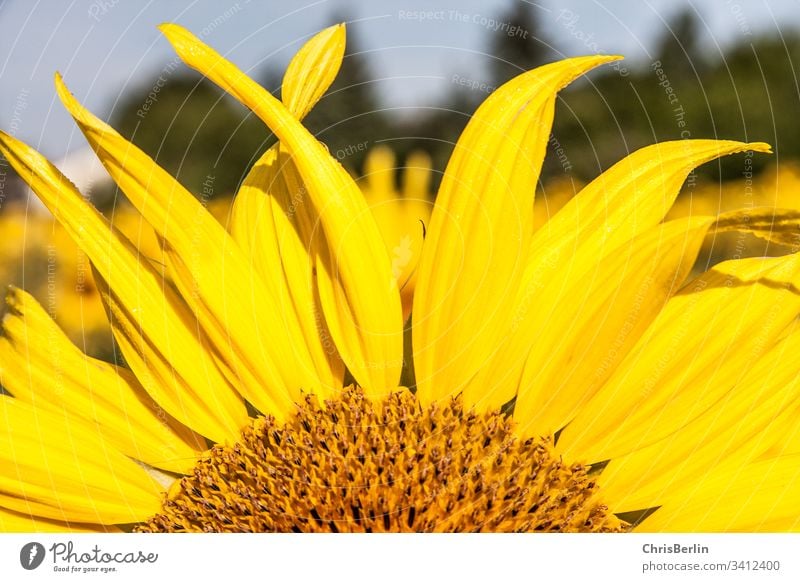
(57, 272)
(402, 216)
(566, 379)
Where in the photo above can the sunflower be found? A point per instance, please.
(567, 379)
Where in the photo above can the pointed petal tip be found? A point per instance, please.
(573, 67)
(596, 60)
(340, 32)
(169, 27)
(175, 33)
(337, 29)
(66, 96)
(85, 118)
(760, 146)
(177, 36)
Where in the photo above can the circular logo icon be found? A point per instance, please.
(31, 555)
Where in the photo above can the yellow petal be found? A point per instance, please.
(172, 363)
(756, 418)
(759, 497)
(605, 305)
(481, 229)
(312, 70)
(256, 334)
(14, 522)
(601, 312)
(630, 198)
(358, 293)
(39, 365)
(59, 468)
(274, 226)
(402, 224)
(682, 365)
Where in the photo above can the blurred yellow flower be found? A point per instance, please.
(47, 261)
(402, 215)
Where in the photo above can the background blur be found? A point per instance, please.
(414, 73)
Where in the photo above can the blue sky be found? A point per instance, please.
(106, 48)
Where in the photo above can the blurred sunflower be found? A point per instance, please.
(45, 260)
(566, 380)
(401, 215)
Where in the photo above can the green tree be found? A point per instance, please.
(518, 46)
(193, 131)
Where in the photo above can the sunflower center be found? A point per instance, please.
(353, 465)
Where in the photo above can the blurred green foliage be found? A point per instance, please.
(750, 94)
(193, 131)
